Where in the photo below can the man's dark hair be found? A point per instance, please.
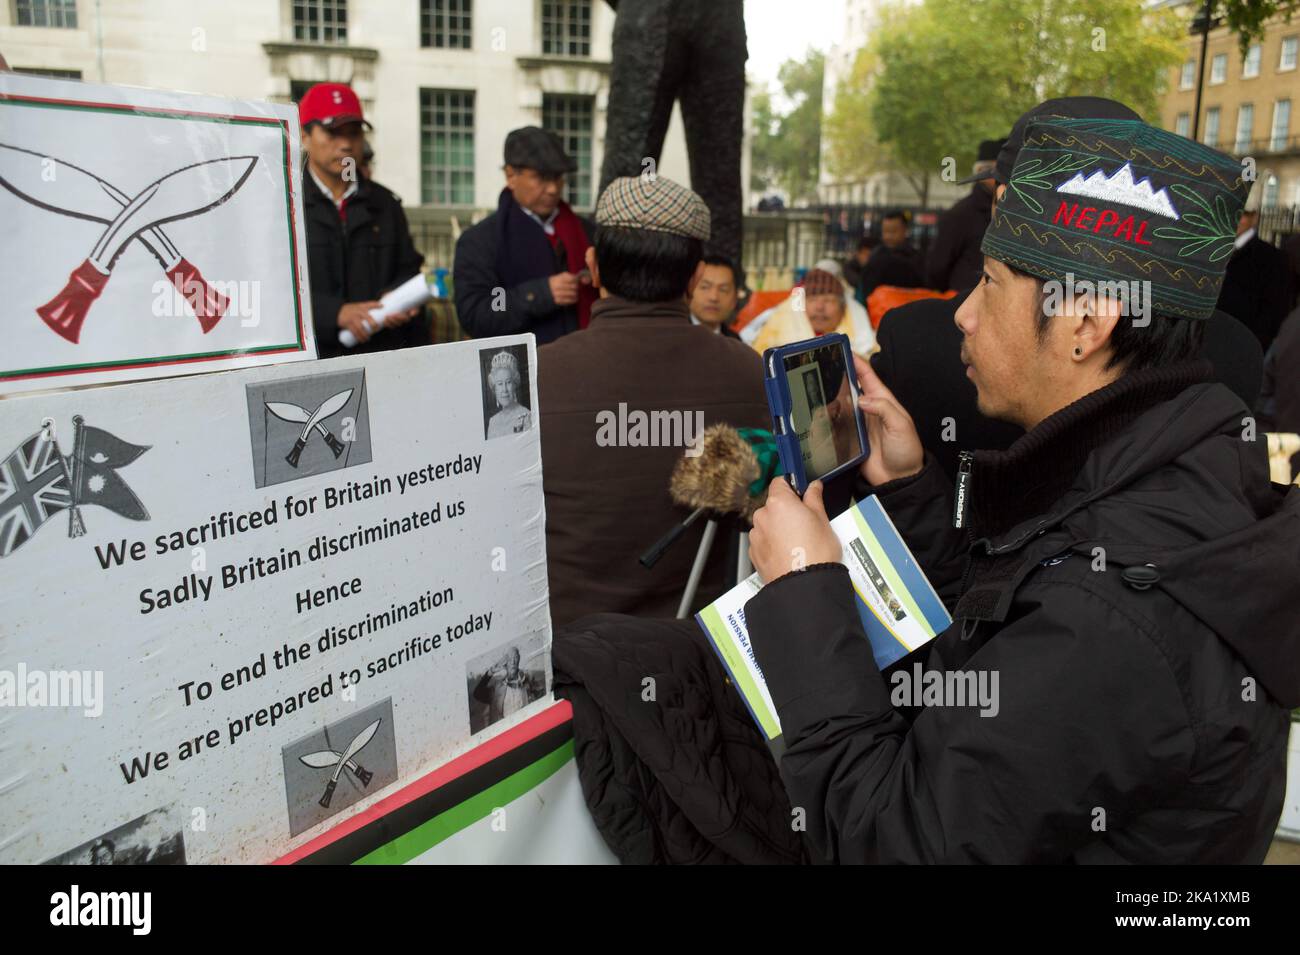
(1163, 341)
(721, 261)
(895, 214)
(644, 266)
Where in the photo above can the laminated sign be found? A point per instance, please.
(237, 610)
(147, 234)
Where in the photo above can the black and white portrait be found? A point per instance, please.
(505, 391)
(156, 838)
(503, 681)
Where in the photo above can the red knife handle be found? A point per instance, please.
(66, 312)
(293, 456)
(329, 793)
(335, 444)
(363, 775)
(209, 305)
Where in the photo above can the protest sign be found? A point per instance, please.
(238, 609)
(147, 234)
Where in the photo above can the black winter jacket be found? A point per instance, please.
(525, 305)
(358, 262)
(955, 260)
(672, 767)
(1133, 579)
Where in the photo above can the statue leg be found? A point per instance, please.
(713, 108)
(643, 84)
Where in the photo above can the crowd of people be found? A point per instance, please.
(1076, 429)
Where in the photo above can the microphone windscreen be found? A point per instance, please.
(721, 476)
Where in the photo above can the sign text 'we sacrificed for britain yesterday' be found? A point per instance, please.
(201, 585)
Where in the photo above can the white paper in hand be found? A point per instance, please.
(410, 294)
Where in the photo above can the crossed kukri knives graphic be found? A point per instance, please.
(296, 414)
(325, 758)
(72, 191)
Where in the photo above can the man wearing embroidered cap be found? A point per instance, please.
(621, 401)
(1125, 570)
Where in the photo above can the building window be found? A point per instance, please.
(1211, 126)
(1219, 68)
(571, 118)
(566, 27)
(47, 13)
(1250, 66)
(1183, 124)
(447, 147)
(1281, 125)
(1245, 126)
(1187, 79)
(445, 24)
(320, 21)
(53, 74)
(1271, 189)
(1287, 60)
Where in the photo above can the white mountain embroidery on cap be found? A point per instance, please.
(1120, 187)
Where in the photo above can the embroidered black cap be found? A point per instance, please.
(1121, 201)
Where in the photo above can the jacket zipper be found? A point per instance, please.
(960, 505)
(959, 501)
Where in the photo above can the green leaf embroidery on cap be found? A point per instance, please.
(1028, 176)
(1215, 227)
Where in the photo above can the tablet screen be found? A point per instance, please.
(823, 411)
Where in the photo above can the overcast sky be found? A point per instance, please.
(780, 30)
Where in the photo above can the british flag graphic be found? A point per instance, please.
(34, 487)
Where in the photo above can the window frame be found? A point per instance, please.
(66, 11)
(576, 15)
(430, 15)
(580, 184)
(334, 33)
(439, 185)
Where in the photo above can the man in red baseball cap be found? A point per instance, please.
(358, 241)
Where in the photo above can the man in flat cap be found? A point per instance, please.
(1125, 571)
(522, 268)
(621, 402)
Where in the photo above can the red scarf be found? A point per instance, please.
(569, 230)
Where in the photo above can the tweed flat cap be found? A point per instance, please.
(655, 204)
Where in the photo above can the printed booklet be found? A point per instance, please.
(899, 609)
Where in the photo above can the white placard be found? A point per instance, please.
(147, 234)
(355, 508)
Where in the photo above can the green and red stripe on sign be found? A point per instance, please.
(437, 806)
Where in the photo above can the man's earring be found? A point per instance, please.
(1078, 352)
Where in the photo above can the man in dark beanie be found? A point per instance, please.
(954, 260)
(1123, 578)
(522, 268)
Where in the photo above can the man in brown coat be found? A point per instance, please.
(621, 401)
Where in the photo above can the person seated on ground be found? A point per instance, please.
(1125, 569)
(713, 296)
(621, 402)
(819, 306)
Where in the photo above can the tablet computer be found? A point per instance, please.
(812, 392)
